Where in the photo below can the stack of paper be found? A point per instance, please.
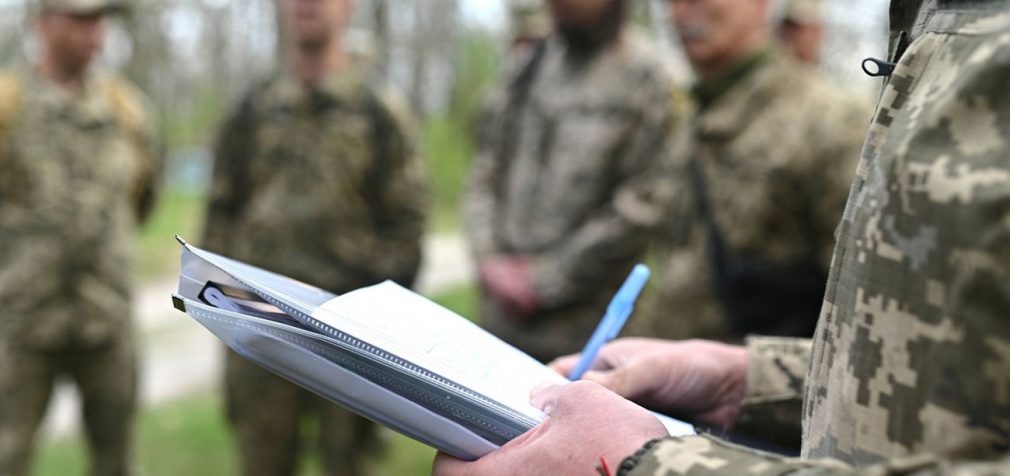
(382, 351)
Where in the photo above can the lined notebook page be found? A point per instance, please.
(435, 338)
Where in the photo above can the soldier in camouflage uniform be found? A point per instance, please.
(78, 166)
(775, 148)
(909, 371)
(316, 178)
(570, 177)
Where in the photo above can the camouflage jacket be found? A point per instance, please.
(77, 174)
(322, 185)
(909, 372)
(777, 150)
(575, 176)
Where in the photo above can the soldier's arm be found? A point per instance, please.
(983, 275)
(621, 229)
(394, 252)
(234, 143)
(152, 149)
(707, 456)
(772, 406)
(480, 202)
(138, 118)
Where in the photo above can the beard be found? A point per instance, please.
(587, 38)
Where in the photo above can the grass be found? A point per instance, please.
(191, 437)
(447, 150)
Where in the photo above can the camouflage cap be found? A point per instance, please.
(803, 12)
(80, 6)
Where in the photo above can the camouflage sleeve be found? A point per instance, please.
(394, 252)
(228, 183)
(777, 369)
(707, 456)
(152, 151)
(480, 203)
(622, 228)
(139, 118)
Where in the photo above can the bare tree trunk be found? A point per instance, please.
(380, 13)
(419, 58)
(282, 32)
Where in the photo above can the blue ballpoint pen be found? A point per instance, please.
(617, 314)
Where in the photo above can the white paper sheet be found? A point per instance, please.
(407, 324)
(431, 336)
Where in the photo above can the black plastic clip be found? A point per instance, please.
(876, 68)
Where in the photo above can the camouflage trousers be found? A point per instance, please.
(106, 378)
(268, 414)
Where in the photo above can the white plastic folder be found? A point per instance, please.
(382, 351)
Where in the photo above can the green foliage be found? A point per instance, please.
(447, 150)
(476, 70)
(178, 211)
(463, 300)
(448, 137)
(194, 125)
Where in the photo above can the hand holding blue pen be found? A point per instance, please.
(617, 314)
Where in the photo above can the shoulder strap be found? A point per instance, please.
(127, 107)
(383, 126)
(718, 252)
(518, 93)
(10, 104)
(131, 114)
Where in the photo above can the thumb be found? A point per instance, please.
(613, 380)
(564, 365)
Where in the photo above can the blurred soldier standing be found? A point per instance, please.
(78, 166)
(775, 149)
(316, 178)
(569, 178)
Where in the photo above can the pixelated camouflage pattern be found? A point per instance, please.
(294, 192)
(778, 150)
(776, 375)
(76, 179)
(77, 174)
(305, 208)
(910, 367)
(586, 183)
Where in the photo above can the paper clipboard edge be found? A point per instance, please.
(178, 303)
(511, 421)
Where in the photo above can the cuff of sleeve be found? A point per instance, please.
(705, 455)
(777, 368)
(700, 454)
(773, 404)
(550, 283)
